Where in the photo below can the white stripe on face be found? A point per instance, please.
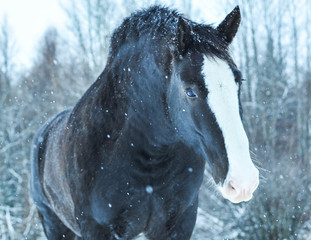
(224, 103)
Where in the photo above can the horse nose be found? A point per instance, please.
(240, 189)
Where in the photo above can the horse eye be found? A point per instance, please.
(190, 93)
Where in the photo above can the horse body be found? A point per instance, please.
(130, 156)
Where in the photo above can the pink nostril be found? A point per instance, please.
(232, 186)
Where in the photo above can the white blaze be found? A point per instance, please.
(224, 103)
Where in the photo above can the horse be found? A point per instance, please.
(129, 158)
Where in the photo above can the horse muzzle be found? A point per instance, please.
(240, 188)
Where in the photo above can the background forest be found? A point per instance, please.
(272, 49)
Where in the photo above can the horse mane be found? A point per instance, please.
(161, 25)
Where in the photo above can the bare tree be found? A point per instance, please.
(91, 25)
(7, 53)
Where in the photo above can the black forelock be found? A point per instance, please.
(155, 22)
(209, 43)
(160, 25)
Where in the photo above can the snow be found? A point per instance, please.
(149, 189)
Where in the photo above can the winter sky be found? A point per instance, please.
(29, 19)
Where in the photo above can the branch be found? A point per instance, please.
(28, 220)
(9, 224)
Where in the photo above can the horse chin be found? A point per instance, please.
(239, 200)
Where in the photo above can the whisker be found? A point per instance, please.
(211, 185)
(257, 163)
(262, 181)
(252, 154)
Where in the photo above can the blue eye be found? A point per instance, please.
(190, 93)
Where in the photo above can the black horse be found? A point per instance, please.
(129, 158)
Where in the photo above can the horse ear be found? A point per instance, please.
(229, 26)
(183, 35)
